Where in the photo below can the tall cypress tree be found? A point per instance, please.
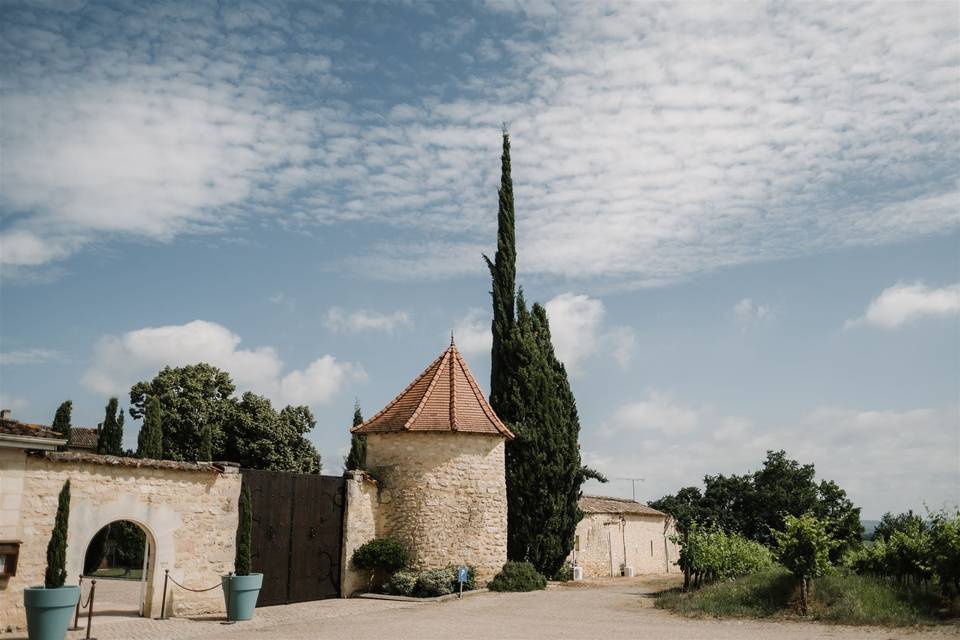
(56, 573)
(205, 452)
(61, 421)
(110, 431)
(357, 458)
(530, 391)
(150, 438)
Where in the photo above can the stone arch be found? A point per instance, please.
(159, 522)
(149, 565)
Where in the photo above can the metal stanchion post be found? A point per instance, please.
(163, 601)
(76, 614)
(93, 590)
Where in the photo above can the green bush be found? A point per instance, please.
(381, 554)
(402, 583)
(471, 582)
(435, 582)
(517, 576)
(712, 554)
(565, 573)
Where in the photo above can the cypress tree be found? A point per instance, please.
(56, 573)
(241, 564)
(61, 421)
(530, 391)
(205, 452)
(357, 458)
(150, 439)
(110, 431)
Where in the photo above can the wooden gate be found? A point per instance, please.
(297, 532)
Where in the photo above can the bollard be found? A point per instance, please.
(76, 614)
(93, 590)
(163, 601)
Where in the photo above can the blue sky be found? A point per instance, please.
(743, 218)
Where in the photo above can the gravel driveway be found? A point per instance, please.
(610, 609)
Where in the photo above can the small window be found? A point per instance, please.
(576, 543)
(651, 546)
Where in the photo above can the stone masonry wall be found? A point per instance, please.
(649, 549)
(362, 522)
(443, 494)
(190, 517)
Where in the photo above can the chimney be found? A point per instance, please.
(5, 414)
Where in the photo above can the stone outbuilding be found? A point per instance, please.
(436, 481)
(617, 532)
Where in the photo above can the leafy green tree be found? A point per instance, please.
(357, 458)
(945, 551)
(205, 453)
(803, 547)
(110, 431)
(56, 573)
(190, 398)
(530, 392)
(150, 438)
(890, 524)
(241, 564)
(61, 420)
(257, 437)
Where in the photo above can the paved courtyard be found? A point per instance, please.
(607, 609)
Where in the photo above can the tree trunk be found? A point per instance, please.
(686, 578)
(803, 595)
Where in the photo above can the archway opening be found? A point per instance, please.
(120, 556)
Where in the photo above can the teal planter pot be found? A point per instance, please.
(240, 595)
(49, 611)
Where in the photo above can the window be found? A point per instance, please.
(651, 547)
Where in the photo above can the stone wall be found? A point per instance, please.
(444, 495)
(189, 512)
(361, 523)
(648, 547)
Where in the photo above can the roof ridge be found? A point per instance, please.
(399, 395)
(453, 385)
(426, 394)
(487, 409)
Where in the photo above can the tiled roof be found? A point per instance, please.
(119, 461)
(606, 504)
(83, 437)
(445, 397)
(16, 428)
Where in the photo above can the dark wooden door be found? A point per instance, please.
(296, 537)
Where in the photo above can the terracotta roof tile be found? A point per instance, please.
(607, 504)
(445, 397)
(83, 437)
(17, 428)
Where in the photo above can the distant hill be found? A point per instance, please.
(868, 528)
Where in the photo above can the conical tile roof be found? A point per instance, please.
(445, 397)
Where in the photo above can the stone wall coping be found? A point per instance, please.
(119, 461)
(360, 475)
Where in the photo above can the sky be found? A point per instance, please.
(743, 219)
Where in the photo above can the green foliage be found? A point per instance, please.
(61, 420)
(565, 574)
(257, 437)
(755, 504)
(709, 553)
(381, 554)
(471, 582)
(889, 524)
(435, 582)
(803, 547)
(205, 452)
(123, 544)
(401, 583)
(150, 438)
(56, 573)
(110, 432)
(241, 563)
(190, 398)
(517, 576)
(357, 458)
(839, 598)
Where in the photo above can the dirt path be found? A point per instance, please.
(609, 609)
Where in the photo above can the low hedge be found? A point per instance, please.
(517, 576)
(381, 554)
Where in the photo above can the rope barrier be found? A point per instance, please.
(216, 586)
(166, 578)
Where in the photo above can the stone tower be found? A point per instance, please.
(438, 451)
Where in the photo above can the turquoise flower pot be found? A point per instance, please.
(49, 611)
(240, 595)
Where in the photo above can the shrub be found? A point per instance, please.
(711, 554)
(381, 554)
(241, 563)
(517, 576)
(435, 582)
(471, 582)
(401, 583)
(56, 573)
(565, 573)
(803, 547)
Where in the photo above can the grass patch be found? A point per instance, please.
(135, 574)
(838, 598)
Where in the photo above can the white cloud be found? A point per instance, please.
(747, 312)
(904, 303)
(120, 361)
(342, 321)
(886, 460)
(14, 403)
(578, 331)
(29, 356)
(472, 332)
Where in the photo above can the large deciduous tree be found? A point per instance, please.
(61, 420)
(110, 432)
(257, 437)
(530, 391)
(357, 458)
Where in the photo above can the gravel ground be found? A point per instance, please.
(620, 608)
